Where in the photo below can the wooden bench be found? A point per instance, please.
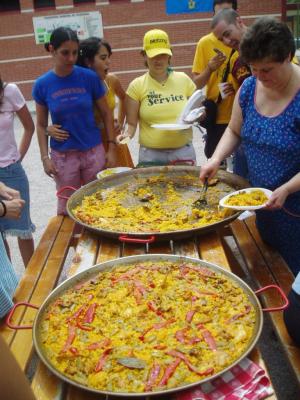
(42, 275)
(266, 267)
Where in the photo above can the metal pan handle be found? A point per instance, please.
(58, 193)
(281, 292)
(130, 239)
(187, 162)
(8, 320)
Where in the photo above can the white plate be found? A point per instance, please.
(110, 171)
(247, 190)
(171, 127)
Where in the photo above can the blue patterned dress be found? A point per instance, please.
(272, 148)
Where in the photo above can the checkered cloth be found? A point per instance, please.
(244, 381)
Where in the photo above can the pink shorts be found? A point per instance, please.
(76, 168)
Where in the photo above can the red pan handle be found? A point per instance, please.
(129, 239)
(188, 162)
(281, 292)
(11, 313)
(58, 193)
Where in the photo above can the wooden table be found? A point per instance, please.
(44, 271)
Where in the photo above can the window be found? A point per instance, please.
(43, 3)
(9, 5)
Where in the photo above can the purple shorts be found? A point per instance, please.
(76, 168)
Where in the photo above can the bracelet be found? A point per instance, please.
(44, 158)
(111, 141)
(47, 133)
(4, 209)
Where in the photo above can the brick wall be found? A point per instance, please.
(124, 23)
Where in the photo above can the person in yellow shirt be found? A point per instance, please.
(209, 66)
(158, 97)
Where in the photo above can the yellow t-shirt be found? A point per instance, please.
(161, 104)
(204, 52)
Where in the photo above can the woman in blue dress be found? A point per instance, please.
(266, 118)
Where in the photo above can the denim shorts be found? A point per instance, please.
(15, 177)
(76, 168)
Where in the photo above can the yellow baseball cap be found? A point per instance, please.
(156, 42)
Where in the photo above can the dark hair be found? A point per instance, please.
(218, 2)
(227, 14)
(267, 38)
(61, 35)
(88, 48)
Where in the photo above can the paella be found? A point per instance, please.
(147, 326)
(247, 198)
(152, 204)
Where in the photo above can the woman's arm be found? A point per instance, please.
(28, 125)
(120, 93)
(132, 117)
(109, 128)
(41, 126)
(228, 143)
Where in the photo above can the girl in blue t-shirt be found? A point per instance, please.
(69, 92)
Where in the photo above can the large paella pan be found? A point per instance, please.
(147, 325)
(157, 201)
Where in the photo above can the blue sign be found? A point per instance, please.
(188, 6)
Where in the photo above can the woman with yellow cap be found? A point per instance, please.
(158, 97)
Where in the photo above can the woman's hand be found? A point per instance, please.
(8, 193)
(49, 167)
(13, 208)
(111, 157)
(123, 138)
(209, 169)
(277, 198)
(57, 133)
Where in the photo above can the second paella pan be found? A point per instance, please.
(153, 201)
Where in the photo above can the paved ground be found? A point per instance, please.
(43, 207)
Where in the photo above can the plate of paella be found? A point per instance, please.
(246, 199)
(111, 171)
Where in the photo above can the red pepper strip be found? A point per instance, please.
(126, 276)
(189, 315)
(77, 314)
(70, 338)
(153, 308)
(159, 325)
(90, 314)
(202, 293)
(180, 335)
(102, 359)
(99, 345)
(73, 350)
(140, 287)
(169, 372)
(181, 356)
(247, 310)
(83, 327)
(208, 337)
(137, 295)
(152, 377)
